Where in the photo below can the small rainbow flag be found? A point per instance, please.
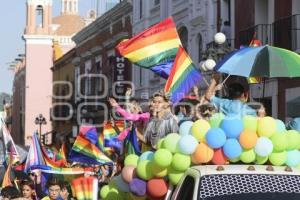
(109, 133)
(7, 179)
(183, 76)
(155, 45)
(86, 188)
(254, 43)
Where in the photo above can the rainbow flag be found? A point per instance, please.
(62, 153)
(183, 76)
(155, 45)
(34, 156)
(53, 163)
(83, 145)
(85, 188)
(7, 179)
(109, 134)
(254, 43)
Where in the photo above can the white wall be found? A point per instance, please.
(261, 12)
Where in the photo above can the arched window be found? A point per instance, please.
(39, 12)
(200, 47)
(183, 34)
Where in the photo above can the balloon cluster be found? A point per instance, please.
(222, 140)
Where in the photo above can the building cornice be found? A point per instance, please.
(38, 39)
(39, 2)
(103, 22)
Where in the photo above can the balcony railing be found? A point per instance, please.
(282, 30)
(263, 33)
(296, 33)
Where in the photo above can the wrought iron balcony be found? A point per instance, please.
(263, 33)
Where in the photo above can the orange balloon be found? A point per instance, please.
(248, 139)
(219, 157)
(202, 154)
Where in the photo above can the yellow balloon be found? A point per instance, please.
(199, 129)
(266, 127)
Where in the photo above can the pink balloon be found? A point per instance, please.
(128, 173)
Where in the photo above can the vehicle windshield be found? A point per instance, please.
(249, 187)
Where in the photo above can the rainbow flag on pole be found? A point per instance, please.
(155, 45)
(183, 76)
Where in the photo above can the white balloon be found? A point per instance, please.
(219, 38)
(210, 64)
(202, 66)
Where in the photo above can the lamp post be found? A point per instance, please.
(40, 120)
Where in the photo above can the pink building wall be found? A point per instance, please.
(38, 85)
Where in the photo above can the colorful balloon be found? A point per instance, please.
(232, 149)
(199, 129)
(128, 173)
(202, 154)
(216, 119)
(187, 144)
(248, 156)
(248, 139)
(266, 127)
(148, 155)
(263, 147)
(157, 188)
(144, 170)
(260, 160)
(162, 158)
(171, 142)
(138, 187)
(219, 157)
(121, 184)
(159, 171)
(280, 142)
(232, 127)
(181, 162)
(174, 176)
(131, 159)
(215, 138)
(160, 143)
(278, 158)
(293, 138)
(250, 123)
(185, 128)
(293, 158)
(280, 126)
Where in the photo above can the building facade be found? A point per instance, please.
(275, 23)
(42, 33)
(197, 21)
(99, 71)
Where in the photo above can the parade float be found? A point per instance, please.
(223, 145)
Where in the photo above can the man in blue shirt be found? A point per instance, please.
(294, 124)
(235, 105)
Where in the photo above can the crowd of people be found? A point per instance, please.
(158, 120)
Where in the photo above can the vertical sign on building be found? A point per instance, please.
(121, 74)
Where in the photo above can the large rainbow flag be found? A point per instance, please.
(156, 45)
(183, 76)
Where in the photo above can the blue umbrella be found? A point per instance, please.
(262, 61)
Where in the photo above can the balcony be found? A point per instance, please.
(263, 33)
(282, 29)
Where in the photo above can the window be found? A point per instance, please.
(77, 86)
(99, 81)
(183, 34)
(187, 189)
(39, 16)
(141, 9)
(87, 71)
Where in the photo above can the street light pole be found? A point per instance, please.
(40, 120)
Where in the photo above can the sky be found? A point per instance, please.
(13, 21)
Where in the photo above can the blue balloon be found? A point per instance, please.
(185, 127)
(148, 155)
(263, 147)
(232, 149)
(293, 158)
(187, 144)
(280, 125)
(215, 138)
(121, 184)
(232, 127)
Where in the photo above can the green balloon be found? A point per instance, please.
(104, 191)
(171, 141)
(174, 176)
(234, 160)
(248, 156)
(260, 160)
(159, 171)
(250, 123)
(144, 170)
(160, 144)
(113, 194)
(266, 127)
(162, 158)
(278, 158)
(280, 142)
(131, 159)
(181, 162)
(293, 138)
(216, 120)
